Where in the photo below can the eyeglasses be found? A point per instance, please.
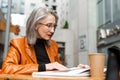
(49, 25)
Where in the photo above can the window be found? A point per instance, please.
(32, 5)
(54, 7)
(107, 11)
(22, 8)
(46, 5)
(54, 0)
(116, 10)
(100, 13)
(46, 0)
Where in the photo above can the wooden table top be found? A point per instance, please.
(29, 77)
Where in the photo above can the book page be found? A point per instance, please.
(72, 72)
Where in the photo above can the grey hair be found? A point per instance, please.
(36, 15)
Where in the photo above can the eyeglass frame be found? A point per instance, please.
(49, 25)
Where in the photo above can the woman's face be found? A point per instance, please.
(46, 27)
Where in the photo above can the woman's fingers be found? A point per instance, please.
(56, 66)
(83, 66)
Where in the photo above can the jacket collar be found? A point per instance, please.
(50, 53)
(30, 51)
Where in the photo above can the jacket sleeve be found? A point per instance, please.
(12, 65)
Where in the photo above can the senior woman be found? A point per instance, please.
(36, 51)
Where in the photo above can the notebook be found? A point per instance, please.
(75, 71)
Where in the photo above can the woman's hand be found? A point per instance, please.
(83, 66)
(56, 66)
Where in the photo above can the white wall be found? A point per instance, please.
(73, 21)
(82, 19)
(92, 24)
(83, 30)
(88, 26)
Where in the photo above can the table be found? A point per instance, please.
(29, 77)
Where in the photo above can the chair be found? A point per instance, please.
(113, 64)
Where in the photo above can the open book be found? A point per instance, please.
(75, 71)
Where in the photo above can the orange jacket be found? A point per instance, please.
(21, 58)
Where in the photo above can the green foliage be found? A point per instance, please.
(66, 25)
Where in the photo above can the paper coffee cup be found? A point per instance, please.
(97, 61)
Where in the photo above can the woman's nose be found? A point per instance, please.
(52, 30)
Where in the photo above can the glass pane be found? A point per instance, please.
(116, 10)
(107, 10)
(100, 13)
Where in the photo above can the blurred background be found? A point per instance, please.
(84, 26)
